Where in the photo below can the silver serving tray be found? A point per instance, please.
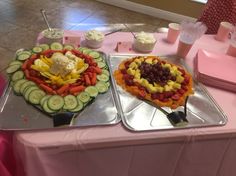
(137, 115)
(17, 114)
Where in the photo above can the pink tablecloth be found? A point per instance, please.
(116, 151)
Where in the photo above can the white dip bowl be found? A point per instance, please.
(144, 42)
(55, 35)
(94, 39)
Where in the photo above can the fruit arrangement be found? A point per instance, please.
(155, 80)
(58, 78)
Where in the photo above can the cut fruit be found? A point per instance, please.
(155, 80)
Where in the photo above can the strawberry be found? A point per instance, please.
(181, 91)
(176, 96)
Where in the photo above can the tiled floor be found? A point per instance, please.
(21, 21)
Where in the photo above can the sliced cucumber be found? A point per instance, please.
(17, 75)
(44, 46)
(23, 52)
(46, 108)
(23, 56)
(36, 95)
(68, 47)
(101, 87)
(106, 72)
(44, 99)
(94, 54)
(108, 84)
(55, 102)
(70, 102)
(101, 64)
(92, 91)
(13, 68)
(81, 49)
(99, 59)
(56, 46)
(17, 85)
(37, 49)
(25, 85)
(86, 51)
(79, 107)
(15, 62)
(28, 90)
(84, 97)
(103, 77)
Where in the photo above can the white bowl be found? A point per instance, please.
(143, 47)
(55, 35)
(93, 43)
(144, 42)
(94, 39)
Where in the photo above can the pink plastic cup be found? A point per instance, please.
(173, 32)
(183, 48)
(223, 31)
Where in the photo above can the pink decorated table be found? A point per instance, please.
(116, 151)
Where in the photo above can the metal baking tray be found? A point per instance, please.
(17, 114)
(137, 115)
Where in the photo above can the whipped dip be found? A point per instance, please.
(53, 34)
(144, 37)
(94, 35)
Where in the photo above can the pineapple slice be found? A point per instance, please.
(131, 71)
(149, 60)
(179, 79)
(133, 65)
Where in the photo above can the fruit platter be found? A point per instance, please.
(156, 80)
(158, 93)
(59, 80)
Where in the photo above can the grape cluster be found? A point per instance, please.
(155, 73)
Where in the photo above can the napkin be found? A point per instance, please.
(218, 70)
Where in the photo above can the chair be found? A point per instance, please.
(216, 11)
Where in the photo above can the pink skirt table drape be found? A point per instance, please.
(7, 159)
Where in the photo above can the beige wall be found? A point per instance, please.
(183, 7)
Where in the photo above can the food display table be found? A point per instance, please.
(116, 151)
